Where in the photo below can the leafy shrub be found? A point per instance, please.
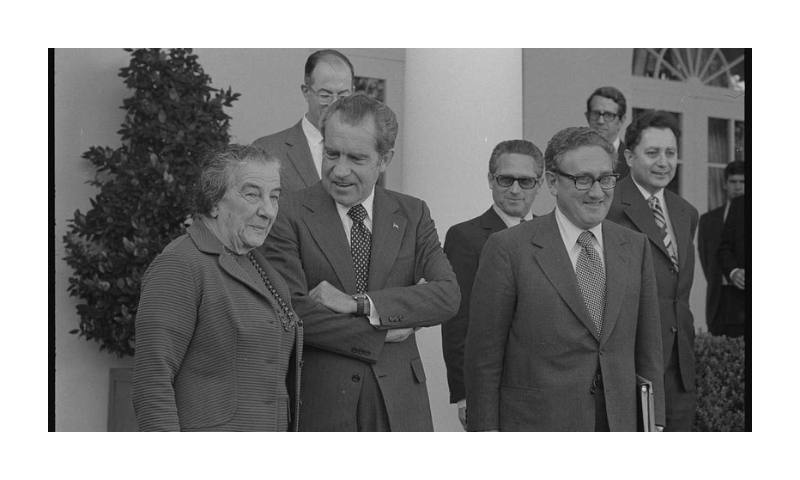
(720, 364)
(144, 189)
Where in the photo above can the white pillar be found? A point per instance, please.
(459, 104)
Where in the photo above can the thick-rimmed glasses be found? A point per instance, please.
(326, 97)
(595, 115)
(585, 182)
(506, 181)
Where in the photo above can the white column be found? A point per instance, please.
(459, 104)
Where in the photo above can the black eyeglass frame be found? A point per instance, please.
(575, 179)
(595, 115)
(519, 180)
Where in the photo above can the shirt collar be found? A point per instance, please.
(508, 219)
(313, 135)
(616, 144)
(659, 194)
(367, 203)
(570, 232)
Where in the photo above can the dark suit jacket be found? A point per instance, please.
(208, 342)
(532, 348)
(297, 164)
(307, 245)
(463, 245)
(622, 165)
(630, 209)
(708, 235)
(733, 242)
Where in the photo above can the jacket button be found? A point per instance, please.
(355, 378)
(673, 329)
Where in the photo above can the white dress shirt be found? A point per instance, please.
(570, 233)
(660, 196)
(314, 139)
(508, 219)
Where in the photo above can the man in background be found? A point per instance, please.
(719, 304)
(605, 113)
(732, 259)
(328, 76)
(643, 204)
(515, 175)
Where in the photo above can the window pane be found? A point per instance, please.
(718, 140)
(716, 195)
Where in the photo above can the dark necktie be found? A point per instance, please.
(661, 223)
(592, 279)
(360, 246)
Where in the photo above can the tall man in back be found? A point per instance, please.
(605, 113)
(365, 269)
(642, 203)
(328, 76)
(721, 301)
(515, 173)
(564, 312)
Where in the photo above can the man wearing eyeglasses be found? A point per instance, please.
(564, 312)
(605, 112)
(515, 173)
(643, 204)
(328, 76)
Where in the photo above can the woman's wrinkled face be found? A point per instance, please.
(246, 213)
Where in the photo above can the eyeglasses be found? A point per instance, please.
(326, 98)
(506, 181)
(595, 115)
(585, 182)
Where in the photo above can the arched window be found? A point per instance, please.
(715, 67)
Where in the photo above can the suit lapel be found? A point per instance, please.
(388, 230)
(554, 261)
(324, 224)
(300, 155)
(638, 212)
(614, 248)
(680, 218)
(491, 222)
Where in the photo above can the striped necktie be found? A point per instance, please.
(661, 223)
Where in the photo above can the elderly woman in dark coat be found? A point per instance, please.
(218, 346)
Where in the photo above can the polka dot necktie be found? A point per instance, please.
(661, 223)
(360, 246)
(592, 279)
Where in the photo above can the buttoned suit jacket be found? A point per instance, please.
(463, 245)
(709, 232)
(630, 209)
(208, 342)
(307, 245)
(532, 348)
(297, 164)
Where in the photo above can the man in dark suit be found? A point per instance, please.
(719, 311)
(642, 203)
(732, 259)
(365, 269)
(564, 312)
(515, 171)
(328, 76)
(605, 113)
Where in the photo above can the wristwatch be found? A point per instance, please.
(362, 305)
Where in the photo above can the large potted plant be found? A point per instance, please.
(144, 188)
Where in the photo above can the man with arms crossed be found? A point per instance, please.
(365, 268)
(564, 312)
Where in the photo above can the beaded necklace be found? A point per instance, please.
(288, 319)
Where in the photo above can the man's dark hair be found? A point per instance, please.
(736, 167)
(358, 107)
(658, 119)
(572, 138)
(612, 94)
(320, 55)
(522, 147)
